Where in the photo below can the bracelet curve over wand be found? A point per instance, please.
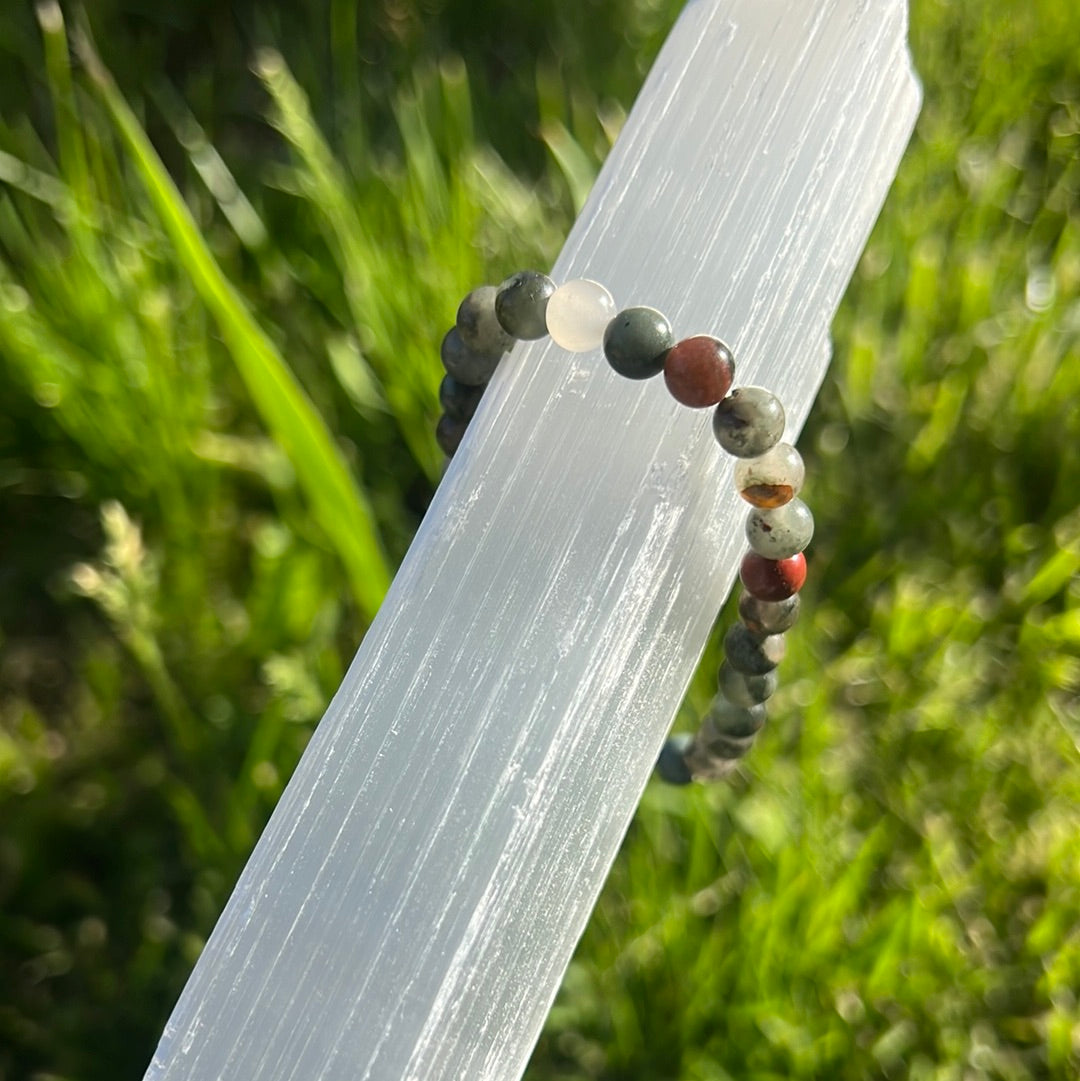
(748, 423)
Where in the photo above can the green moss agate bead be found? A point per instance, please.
(477, 324)
(449, 432)
(780, 532)
(748, 653)
(738, 721)
(521, 304)
(465, 364)
(459, 400)
(636, 342)
(671, 765)
(743, 689)
(768, 617)
(748, 422)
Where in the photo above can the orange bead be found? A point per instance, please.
(772, 579)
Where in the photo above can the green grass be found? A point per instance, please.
(217, 391)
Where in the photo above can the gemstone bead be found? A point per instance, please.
(720, 744)
(768, 617)
(738, 721)
(449, 432)
(707, 766)
(459, 400)
(671, 765)
(781, 531)
(748, 422)
(476, 323)
(742, 689)
(465, 364)
(772, 579)
(578, 313)
(698, 371)
(636, 342)
(773, 479)
(521, 303)
(748, 653)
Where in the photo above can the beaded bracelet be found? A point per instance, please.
(748, 422)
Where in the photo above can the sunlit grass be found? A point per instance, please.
(217, 390)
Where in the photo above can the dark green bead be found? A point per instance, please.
(448, 434)
(742, 689)
(637, 341)
(671, 765)
(465, 364)
(521, 304)
(748, 653)
(477, 325)
(459, 400)
(768, 617)
(723, 748)
(737, 721)
(748, 422)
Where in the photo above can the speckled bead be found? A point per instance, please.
(459, 400)
(671, 766)
(705, 765)
(698, 371)
(737, 721)
(742, 689)
(465, 364)
(449, 432)
(578, 313)
(748, 653)
(772, 579)
(521, 304)
(781, 531)
(772, 479)
(748, 422)
(768, 617)
(476, 323)
(636, 342)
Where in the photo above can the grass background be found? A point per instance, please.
(216, 407)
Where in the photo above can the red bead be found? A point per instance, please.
(699, 370)
(772, 579)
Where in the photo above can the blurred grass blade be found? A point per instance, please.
(338, 505)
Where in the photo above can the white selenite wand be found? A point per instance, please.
(414, 901)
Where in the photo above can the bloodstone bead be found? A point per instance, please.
(768, 617)
(459, 400)
(706, 766)
(742, 689)
(476, 323)
(699, 370)
(465, 364)
(772, 579)
(748, 422)
(521, 304)
(748, 653)
(671, 765)
(636, 342)
(773, 479)
(781, 531)
(449, 432)
(737, 721)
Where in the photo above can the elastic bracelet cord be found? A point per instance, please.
(748, 422)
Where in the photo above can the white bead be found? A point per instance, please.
(578, 314)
